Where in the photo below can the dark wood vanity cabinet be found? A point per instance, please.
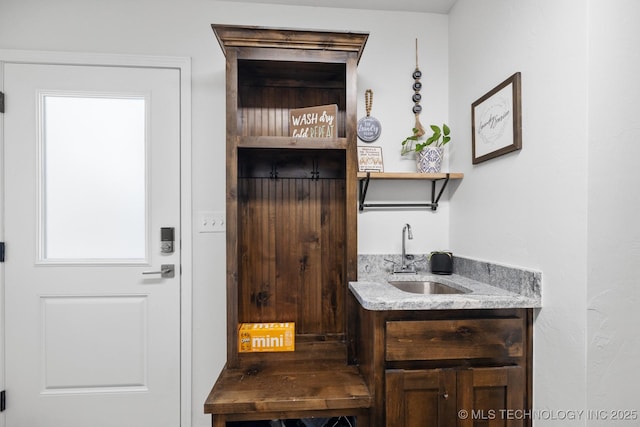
(446, 368)
(455, 397)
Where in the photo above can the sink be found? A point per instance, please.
(427, 287)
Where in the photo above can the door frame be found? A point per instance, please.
(183, 65)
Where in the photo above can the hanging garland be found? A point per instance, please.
(417, 108)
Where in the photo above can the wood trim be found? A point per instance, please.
(232, 208)
(291, 142)
(288, 38)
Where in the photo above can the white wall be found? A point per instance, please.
(613, 347)
(541, 208)
(529, 208)
(182, 28)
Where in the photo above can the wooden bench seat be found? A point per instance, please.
(289, 390)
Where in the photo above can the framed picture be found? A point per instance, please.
(496, 121)
(370, 159)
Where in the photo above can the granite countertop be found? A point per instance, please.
(491, 286)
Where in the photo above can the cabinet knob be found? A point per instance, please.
(445, 395)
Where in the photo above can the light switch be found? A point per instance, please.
(211, 222)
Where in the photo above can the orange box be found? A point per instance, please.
(265, 337)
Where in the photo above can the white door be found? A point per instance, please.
(91, 175)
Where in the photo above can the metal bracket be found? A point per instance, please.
(364, 186)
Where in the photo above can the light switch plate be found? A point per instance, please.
(211, 222)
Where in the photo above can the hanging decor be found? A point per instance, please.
(368, 127)
(417, 108)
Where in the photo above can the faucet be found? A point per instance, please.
(404, 267)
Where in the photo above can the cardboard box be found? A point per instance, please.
(266, 337)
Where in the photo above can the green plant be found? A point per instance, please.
(439, 138)
(437, 134)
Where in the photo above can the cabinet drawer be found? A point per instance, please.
(454, 339)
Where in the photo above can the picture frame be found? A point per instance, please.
(496, 121)
(370, 159)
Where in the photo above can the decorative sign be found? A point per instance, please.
(369, 128)
(370, 159)
(496, 121)
(314, 122)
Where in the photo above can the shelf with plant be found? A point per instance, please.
(439, 138)
(430, 152)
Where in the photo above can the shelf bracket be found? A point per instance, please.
(364, 186)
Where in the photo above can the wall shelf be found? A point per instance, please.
(364, 178)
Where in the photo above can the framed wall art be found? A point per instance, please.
(496, 121)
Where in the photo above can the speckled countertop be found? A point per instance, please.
(489, 285)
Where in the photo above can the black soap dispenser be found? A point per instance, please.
(441, 262)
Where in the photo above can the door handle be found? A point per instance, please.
(167, 271)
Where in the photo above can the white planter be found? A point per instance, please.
(429, 160)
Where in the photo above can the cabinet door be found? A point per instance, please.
(492, 397)
(420, 398)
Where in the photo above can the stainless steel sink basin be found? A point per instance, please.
(427, 288)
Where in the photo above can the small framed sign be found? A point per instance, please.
(370, 159)
(496, 121)
(314, 122)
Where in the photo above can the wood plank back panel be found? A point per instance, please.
(292, 243)
(265, 111)
(268, 90)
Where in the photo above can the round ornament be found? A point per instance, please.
(369, 128)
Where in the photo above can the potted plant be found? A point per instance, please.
(430, 152)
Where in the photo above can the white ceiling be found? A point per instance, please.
(427, 6)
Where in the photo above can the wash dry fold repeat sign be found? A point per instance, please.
(314, 122)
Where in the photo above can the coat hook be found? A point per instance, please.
(315, 172)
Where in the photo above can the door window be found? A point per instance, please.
(92, 178)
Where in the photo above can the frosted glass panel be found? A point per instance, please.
(94, 178)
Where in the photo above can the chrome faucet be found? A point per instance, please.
(404, 266)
